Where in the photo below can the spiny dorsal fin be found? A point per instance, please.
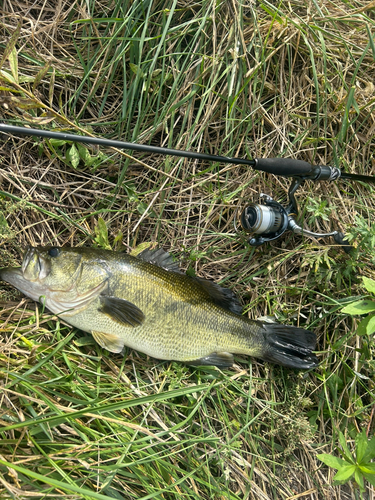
(161, 258)
(223, 297)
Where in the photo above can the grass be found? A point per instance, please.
(286, 79)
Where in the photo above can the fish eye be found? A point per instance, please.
(53, 252)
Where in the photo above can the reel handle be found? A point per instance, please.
(340, 239)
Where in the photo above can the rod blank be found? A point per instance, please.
(145, 148)
(287, 167)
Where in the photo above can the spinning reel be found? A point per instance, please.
(265, 221)
(268, 220)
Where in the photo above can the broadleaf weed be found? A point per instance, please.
(357, 466)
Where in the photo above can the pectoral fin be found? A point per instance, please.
(122, 311)
(112, 343)
(219, 359)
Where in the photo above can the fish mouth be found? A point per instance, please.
(34, 266)
(15, 276)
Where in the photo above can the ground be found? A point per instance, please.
(253, 79)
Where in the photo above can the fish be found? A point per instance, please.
(148, 304)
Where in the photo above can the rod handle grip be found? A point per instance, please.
(284, 166)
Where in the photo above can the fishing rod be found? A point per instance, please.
(265, 221)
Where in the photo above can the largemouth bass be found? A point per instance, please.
(148, 304)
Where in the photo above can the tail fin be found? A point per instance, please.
(289, 346)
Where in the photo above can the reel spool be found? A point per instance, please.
(267, 221)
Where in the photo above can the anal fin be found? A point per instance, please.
(111, 342)
(219, 359)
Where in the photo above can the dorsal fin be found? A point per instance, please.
(161, 258)
(220, 296)
(223, 297)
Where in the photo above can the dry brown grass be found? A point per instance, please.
(255, 81)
